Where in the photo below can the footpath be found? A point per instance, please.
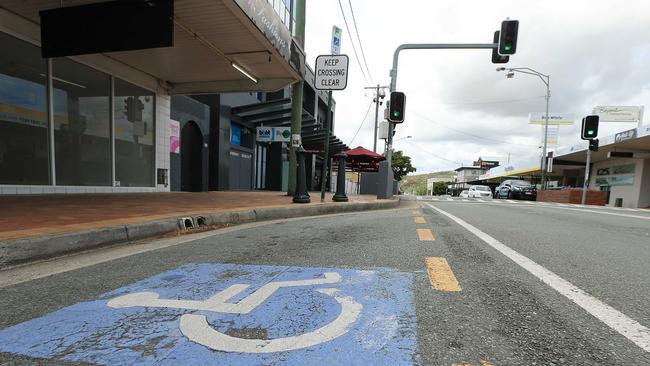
(43, 226)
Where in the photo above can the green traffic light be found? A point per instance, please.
(508, 47)
(590, 132)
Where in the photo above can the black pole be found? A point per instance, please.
(301, 195)
(340, 180)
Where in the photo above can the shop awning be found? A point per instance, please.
(277, 113)
(209, 36)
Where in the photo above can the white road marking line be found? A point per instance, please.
(449, 199)
(624, 325)
(511, 201)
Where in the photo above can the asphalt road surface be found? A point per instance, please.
(431, 283)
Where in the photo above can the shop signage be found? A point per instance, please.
(267, 20)
(618, 113)
(174, 137)
(625, 135)
(331, 72)
(273, 134)
(539, 118)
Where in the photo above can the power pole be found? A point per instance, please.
(379, 94)
(586, 183)
(296, 100)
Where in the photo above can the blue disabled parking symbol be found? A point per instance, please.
(227, 314)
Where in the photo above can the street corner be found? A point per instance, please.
(234, 315)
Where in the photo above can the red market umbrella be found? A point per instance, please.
(361, 159)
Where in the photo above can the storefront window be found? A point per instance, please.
(134, 135)
(81, 124)
(24, 157)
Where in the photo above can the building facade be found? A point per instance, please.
(156, 119)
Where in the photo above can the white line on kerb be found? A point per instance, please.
(629, 328)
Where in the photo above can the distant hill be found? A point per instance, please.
(418, 182)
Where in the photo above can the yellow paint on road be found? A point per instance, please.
(440, 275)
(419, 220)
(483, 363)
(425, 234)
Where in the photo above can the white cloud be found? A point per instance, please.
(596, 52)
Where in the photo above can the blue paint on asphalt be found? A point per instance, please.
(384, 333)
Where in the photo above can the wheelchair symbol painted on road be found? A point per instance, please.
(196, 328)
(233, 314)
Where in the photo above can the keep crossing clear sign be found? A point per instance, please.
(331, 72)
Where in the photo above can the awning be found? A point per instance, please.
(277, 113)
(209, 35)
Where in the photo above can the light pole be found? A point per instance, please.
(379, 94)
(546, 79)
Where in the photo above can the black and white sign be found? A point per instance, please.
(331, 72)
(625, 135)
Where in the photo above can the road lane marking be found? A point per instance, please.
(602, 212)
(624, 325)
(425, 234)
(441, 276)
(419, 220)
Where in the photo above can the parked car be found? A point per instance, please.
(515, 189)
(464, 194)
(480, 192)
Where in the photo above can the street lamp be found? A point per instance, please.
(546, 79)
(406, 137)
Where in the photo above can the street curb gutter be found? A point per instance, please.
(14, 252)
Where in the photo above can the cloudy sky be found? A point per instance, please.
(458, 107)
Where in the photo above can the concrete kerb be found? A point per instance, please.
(18, 251)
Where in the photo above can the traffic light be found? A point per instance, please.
(133, 108)
(589, 127)
(593, 144)
(508, 37)
(396, 107)
(129, 109)
(496, 58)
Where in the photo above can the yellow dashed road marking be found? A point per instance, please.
(425, 234)
(440, 275)
(483, 363)
(419, 220)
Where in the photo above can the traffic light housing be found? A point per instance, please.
(593, 144)
(508, 37)
(496, 58)
(589, 127)
(133, 108)
(396, 107)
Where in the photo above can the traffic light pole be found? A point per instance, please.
(584, 186)
(393, 76)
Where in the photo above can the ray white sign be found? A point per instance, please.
(539, 118)
(618, 113)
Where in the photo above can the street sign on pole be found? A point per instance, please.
(337, 33)
(331, 72)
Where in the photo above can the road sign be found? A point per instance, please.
(337, 33)
(331, 72)
(227, 314)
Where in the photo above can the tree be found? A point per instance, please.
(401, 165)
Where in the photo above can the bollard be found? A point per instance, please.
(301, 195)
(340, 180)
